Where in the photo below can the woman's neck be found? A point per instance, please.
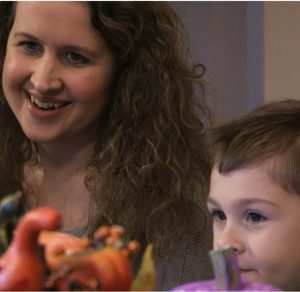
(58, 181)
(68, 159)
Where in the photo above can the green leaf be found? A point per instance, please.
(145, 279)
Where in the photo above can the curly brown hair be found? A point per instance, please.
(150, 159)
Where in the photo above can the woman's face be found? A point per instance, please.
(58, 72)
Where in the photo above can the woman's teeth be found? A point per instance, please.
(45, 105)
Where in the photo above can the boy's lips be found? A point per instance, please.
(245, 270)
(249, 274)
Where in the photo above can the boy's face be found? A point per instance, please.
(261, 221)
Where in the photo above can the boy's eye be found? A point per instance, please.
(76, 58)
(219, 215)
(255, 217)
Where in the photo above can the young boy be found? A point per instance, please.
(255, 193)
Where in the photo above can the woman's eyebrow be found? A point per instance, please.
(20, 34)
(24, 34)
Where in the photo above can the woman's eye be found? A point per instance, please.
(219, 215)
(76, 58)
(255, 217)
(30, 46)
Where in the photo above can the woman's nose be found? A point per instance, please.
(45, 75)
(230, 237)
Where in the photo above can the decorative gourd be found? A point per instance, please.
(80, 264)
(227, 276)
(20, 266)
(41, 260)
(57, 245)
(104, 269)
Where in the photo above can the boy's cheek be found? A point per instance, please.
(217, 234)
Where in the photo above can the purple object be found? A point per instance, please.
(226, 269)
(211, 286)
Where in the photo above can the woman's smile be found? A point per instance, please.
(42, 109)
(58, 84)
(43, 105)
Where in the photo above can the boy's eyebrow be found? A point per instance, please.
(212, 201)
(246, 201)
(256, 200)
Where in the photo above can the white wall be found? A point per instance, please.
(251, 51)
(227, 38)
(282, 50)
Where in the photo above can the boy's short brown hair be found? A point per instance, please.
(269, 134)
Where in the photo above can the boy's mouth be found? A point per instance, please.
(248, 274)
(245, 270)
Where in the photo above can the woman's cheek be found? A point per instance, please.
(13, 73)
(88, 88)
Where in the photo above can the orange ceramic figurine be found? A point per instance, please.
(58, 245)
(70, 263)
(102, 263)
(20, 266)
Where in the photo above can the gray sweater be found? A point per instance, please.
(188, 263)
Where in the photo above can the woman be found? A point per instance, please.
(102, 118)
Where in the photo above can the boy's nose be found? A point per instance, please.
(45, 76)
(230, 238)
(238, 247)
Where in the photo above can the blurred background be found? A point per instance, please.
(251, 51)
